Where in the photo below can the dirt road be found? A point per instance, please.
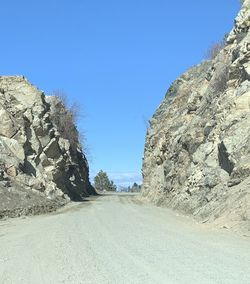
(113, 239)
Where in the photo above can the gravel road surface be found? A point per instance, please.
(116, 239)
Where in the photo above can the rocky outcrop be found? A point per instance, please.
(197, 152)
(34, 157)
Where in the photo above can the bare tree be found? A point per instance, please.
(66, 117)
(146, 122)
(215, 49)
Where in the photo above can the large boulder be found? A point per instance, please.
(196, 157)
(7, 125)
(33, 155)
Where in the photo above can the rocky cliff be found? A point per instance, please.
(39, 168)
(197, 152)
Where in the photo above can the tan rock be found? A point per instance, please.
(243, 102)
(30, 138)
(7, 128)
(11, 171)
(14, 147)
(204, 124)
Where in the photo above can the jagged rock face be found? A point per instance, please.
(33, 155)
(197, 152)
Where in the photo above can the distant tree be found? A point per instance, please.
(112, 186)
(135, 188)
(102, 182)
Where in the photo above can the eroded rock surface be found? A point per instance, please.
(37, 165)
(197, 152)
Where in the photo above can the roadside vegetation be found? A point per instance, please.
(66, 116)
(214, 49)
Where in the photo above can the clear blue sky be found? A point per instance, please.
(116, 57)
